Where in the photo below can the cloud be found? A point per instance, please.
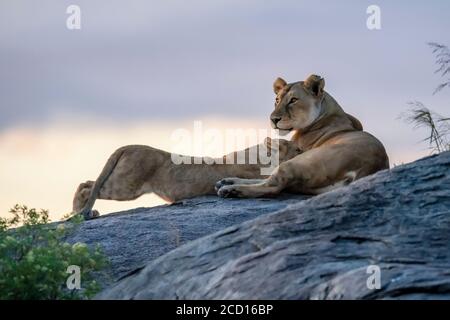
(179, 59)
(161, 62)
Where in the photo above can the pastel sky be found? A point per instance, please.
(138, 70)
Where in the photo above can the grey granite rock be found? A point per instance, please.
(130, 239)
(320, 248)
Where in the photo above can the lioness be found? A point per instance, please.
(328, 150)
(335, 149)
(134, 170)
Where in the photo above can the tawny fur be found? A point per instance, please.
(134, 170)
(334, 151)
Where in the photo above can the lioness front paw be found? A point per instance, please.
(225, 182)
(229, 192)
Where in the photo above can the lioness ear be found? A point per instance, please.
(278, 85)
(314, 84)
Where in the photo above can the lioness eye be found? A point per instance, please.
(293, 100)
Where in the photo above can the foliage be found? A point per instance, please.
(34, 258)
(419, 115)
(439, 127)
(442, 54)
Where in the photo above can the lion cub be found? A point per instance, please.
(134, 170)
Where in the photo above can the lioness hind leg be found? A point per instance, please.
(81, 196)
(107, 192)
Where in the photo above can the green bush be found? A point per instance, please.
(34, 258)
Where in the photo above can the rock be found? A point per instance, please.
(396, 221)
(132, 238)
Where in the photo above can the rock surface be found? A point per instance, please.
(397, 220)
(132, 238)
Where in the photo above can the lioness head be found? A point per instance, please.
(297, 104)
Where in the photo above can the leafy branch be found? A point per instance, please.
(420, 116)
(442, 55)
(34, 258)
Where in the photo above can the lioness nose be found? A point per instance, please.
(275, 120)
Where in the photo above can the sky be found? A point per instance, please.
(138, 70)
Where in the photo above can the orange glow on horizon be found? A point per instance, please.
(42, 167)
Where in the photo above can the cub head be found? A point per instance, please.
(286, 149)
(297, 104)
